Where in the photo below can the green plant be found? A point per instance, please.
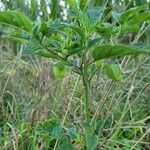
(79, 44)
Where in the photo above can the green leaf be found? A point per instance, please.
(72, 132)
(59, 70)
(78, 30)
(99, 123)
(93, 42)
(57, 26)
(14, 38)
(50, 129)
(75, 50)
(131, 28)
(22, 37)
(92, 141)
(113, 72)
(106, 51)
(105, 29)
(93, 14)
(33, 47)
(45, 54)
(65, 146)
(17, 20)
(125, 16)
(56, 44)
(145, 16)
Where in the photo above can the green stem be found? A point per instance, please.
(86, 100)
(86, 93)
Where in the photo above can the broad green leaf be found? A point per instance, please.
(22, 37)
(106, 51)
(59, 70)
(125, 16)
(65, 146)
(17, 20)
(93, 14)
(131, 28)
(34, 47)
(50, 128)
(145, 16)
(92, 141)
(14, 38)
(113, 72)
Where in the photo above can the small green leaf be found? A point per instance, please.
(16, 20)
(113, 72)
(59, 70)
(106, 51)
(92, 141)
(72, 132)
(65, 146)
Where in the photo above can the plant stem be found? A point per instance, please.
(86, 93)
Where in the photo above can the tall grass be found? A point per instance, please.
(30, 96)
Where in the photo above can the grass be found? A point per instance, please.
(41, 112)
(30, 95)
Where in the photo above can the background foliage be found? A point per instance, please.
(38, 110)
